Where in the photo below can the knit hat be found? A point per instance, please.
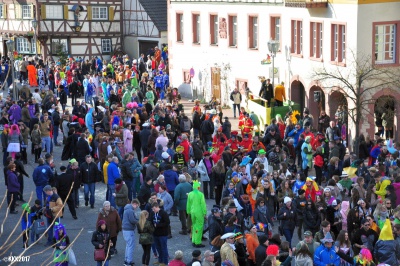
(234, 174)
(327, 189)
(287, 200)
(165, 155)
(100, 223)
(238, 235)
(272, 250)
(327, 238)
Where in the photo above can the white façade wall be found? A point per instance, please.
(245, 63)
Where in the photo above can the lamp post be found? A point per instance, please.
(273, 47)
(11, 49)
(34, 26)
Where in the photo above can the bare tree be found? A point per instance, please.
(358, 82)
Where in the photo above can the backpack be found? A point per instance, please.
(186, 125)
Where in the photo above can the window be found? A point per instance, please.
(100, 13)
(27, 11)
(232, 20)
(106, 46)
(316, 39)
(179, 27)
(196, 28)
(275, 28)
(23, 45)
(59, 45)
(297, 37)
(2, 6)
(33, 45)
(338, 44)
(385, 44)
(214, 29)
(54, 12)
(253, 32)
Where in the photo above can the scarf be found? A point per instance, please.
(119, 186)
(262, 209)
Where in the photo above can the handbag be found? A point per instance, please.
(99, 254)
(71, 257)
(217, 241)
(39, 226)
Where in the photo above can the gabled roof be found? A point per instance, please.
(157, 11)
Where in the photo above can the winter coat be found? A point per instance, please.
(12, 182)
(202, 169)
(227, 253)
(171, 179)
(144, 193)
(326, 256)
(260, 217)
(126, 170)
(161, 222)
(148, 230)
(260, 254)
(197, 147)
(302, 260)
(112, 220)
(131, 218)
(180, 195)
(288, 221)
(121, 195)
(42, 175)
(81, 150)
(387, 251)
(101, 237)
(55, 204)
(168, 201)
(311, 220)
(90, 173)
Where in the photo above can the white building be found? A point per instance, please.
(224, 41)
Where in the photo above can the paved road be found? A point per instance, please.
(86, 222)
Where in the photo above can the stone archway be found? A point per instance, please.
(385, 116)
(314, 106)
(298, 93)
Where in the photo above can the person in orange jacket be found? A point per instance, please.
(233, 142)
(247, 125)
(246, 142)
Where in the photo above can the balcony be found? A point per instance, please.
(306, 3)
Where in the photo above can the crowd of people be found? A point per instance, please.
(160, 160)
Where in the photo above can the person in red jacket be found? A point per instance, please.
(318, 164)
(246, 143)
(186, 147)
(233, 143)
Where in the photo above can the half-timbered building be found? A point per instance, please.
(145, 25)
(76, 28)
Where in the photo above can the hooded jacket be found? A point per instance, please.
(326, 256)
(302, 260)
(42, 175)
(131, 218)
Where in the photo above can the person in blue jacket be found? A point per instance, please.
(295, 133)
(42, 176)
(112, 173)
(326, 254)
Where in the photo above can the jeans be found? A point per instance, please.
(100, 263)
(55, 134)
(50, 233)
(121, 212)
(129, 184)
(288, 233)
(111, 198)
(40, 194)
(90, 99)
(234, 110)
(129, 237)
(162, 249)
(89, 188)
(46, 142)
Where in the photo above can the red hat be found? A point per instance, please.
(234, 133)
(206, 153)
(220, 129)
(272, 250)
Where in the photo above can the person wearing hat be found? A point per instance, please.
(261, 158)
(309, 241)
(208, 258)
(179, 158)
(53, 210)
(215, 226)
(325, 254)
(196, 258)
(101, 240)
(61, 242)
(334, 216)
(240, 248)
(196, 208)
(310, 189)
(347, 183)
(64, 182)
(227, 252)
(288, 217)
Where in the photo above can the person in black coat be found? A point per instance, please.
(312, 219)
(64, 182)
(287, 215)
(160, 220)
(20, 171)
(215, 227)
(81, 149)
(90, 175)
(63, 96)
(261, 250)
(145, 192)
(101, 239)
(74, 91)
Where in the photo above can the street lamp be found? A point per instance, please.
(273, 47)
(34, 26)
(10, 48)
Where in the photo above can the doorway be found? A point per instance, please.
(297, 93)
(385, 112)
(145, 47)
(315, 106)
